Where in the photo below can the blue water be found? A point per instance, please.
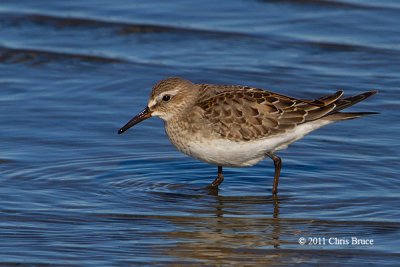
(73, 192)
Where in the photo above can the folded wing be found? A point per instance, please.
(244, 113)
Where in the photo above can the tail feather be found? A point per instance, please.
(340, 116)
(340, 104)
(349, 101)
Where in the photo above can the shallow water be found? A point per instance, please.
(73, 192)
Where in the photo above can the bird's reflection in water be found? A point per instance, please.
(232, 230)
(216, 229)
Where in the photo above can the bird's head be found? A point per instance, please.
(168, 99)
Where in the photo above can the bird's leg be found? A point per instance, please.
(218, 180)
(278, 165)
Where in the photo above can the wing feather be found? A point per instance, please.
(244, 113)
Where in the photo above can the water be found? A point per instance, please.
(73, 192)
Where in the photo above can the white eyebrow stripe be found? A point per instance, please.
(153, 102)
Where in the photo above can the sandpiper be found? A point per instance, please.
(237, 126)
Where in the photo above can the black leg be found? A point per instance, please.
(218, 180)
(278, 165)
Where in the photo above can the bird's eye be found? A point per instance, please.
(166, 98)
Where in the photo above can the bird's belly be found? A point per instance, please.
(227, 153)
(224, 152)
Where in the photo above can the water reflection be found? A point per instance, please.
(233, 232)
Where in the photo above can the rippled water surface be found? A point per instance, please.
(73, 192)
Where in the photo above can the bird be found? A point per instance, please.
(236, 125)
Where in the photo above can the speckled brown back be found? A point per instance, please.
(245, 113)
